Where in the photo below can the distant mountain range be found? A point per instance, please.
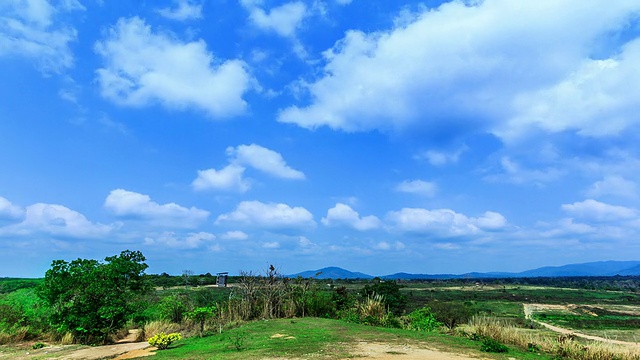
(600, 268)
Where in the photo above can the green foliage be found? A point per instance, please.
(9, 285)
(394, 300)
(173, 307)
(162, 340)
(493, 346)
(93, 299)
(238, 340)
(201, 314)
(38, 345)
(423, 320)
(450, 314)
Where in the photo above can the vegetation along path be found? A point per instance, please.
(530, 308)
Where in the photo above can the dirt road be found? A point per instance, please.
(530, 308)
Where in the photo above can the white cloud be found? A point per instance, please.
(384, 245)
(8, 211)
(232, 178)
(527, 68)
(128, 204)
(443, 222)
(418, 187)
(441, 158)
(56, 220)
(263, 159)
(284, 20)
(269, 216)
(188, 241)
(143, 67)
(491, 221)
(228, 178)
(184, 10)
(568, 226)
(613, 186)
(234, 235)
(344, 215)
(599, 98)
(271, 245)
(513, 172)
(32, 29)
(597, 211)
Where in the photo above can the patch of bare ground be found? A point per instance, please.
(385, 351)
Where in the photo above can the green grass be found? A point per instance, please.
(317, 338)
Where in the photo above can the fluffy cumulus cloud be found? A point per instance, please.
(344, 215)
(188, 241)
(270, 216)
(33, 29)
(9, 211)
(613, 186)
(443, 222)
(144, 67)
(263, 159)
(593, 210)
(228, 178)
(183, 10)
(283, 20)
(534, 67)
(131, 205)
(418, 187)
(231, 177)
(57, 221)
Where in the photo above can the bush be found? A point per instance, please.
(162, 340)
(390, 292)
(173, 307)
(450, 314)
(423, 320)
(493, 346)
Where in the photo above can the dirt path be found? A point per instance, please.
(125, 348)
(384, 351)
(530, 308)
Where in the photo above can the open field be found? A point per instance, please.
(490, 309)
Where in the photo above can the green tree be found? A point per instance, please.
(393, 300)
(201, 314)
(93, 299)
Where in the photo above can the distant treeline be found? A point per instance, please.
(8, 285)
(612, 283)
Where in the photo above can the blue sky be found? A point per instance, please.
(379, 136)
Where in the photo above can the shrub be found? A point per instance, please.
(173, 307)
(392, 298)
(422, 320)
(493, 346)
(162, 340)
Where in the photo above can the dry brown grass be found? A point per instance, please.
(562, 346)
(372, 306)
(67, 339)
(156, 327)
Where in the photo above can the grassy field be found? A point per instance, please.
(319, 338)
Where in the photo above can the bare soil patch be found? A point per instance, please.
(385, 351)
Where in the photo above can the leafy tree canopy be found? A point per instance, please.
(395, 301)
(93, 299)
